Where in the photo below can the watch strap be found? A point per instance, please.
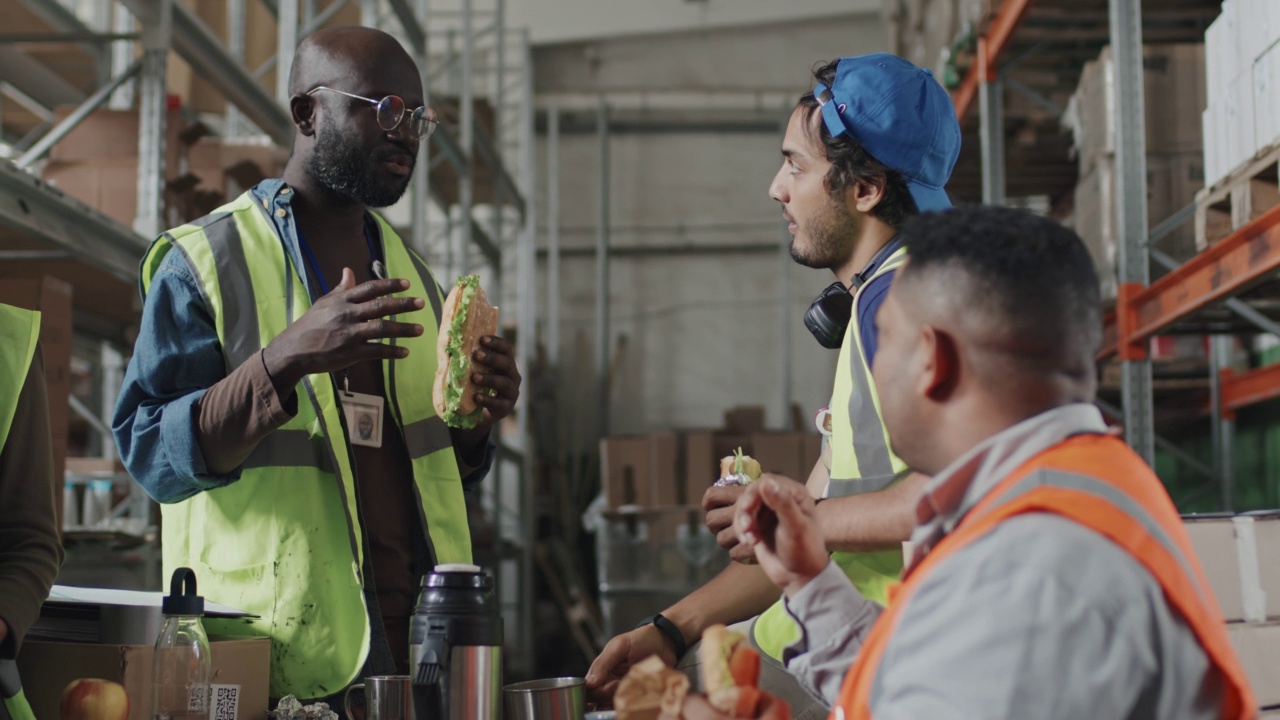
(669, 629)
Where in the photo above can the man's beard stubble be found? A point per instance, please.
(830, 235)
(343, 169)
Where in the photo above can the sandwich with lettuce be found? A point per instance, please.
(466, 317)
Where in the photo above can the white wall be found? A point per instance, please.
(553, 21)
(704, 333)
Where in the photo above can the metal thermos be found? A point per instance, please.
(455, 646)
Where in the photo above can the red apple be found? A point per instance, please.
(94, 699)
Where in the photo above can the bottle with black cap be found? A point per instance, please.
(181, 669)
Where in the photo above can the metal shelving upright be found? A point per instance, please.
(1198, 295)
(38, 223)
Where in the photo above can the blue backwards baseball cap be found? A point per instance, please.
(901, 115)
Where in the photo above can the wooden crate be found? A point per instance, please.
(1244, 194)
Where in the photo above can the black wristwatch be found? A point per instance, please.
(669, 629)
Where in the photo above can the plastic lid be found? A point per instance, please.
(182, 598)
(457, 568)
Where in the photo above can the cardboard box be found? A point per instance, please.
(1174, 95)
(780, 453)
(113, 135)
(1258, 646)
(1266, 97)
(52, 297)
(625, 465)
(664, 470)
(1241, 560)
(701, 465)
(744, 420)
(107, 184)
(1213, 538)
(241, 671)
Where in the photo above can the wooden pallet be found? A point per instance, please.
(1247, 192)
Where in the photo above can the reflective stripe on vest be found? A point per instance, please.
(285, 541)
(1098, 482)
(861, 461)
(19, 330)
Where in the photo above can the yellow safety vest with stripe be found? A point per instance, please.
(861, 461)
(285, 542)
(19, 330)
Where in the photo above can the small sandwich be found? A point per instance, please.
(466, 317)
(651, 691)
(730, 672)
(738, 469)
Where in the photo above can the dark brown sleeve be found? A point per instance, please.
(236, 413)
(30, 552)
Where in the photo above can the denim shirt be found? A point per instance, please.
(177, 357)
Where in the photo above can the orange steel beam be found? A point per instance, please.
(1248, 388)
(1005, 22)
(1219, 272)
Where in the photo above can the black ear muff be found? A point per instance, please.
(828, 315)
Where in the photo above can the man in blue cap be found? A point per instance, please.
(870, 146)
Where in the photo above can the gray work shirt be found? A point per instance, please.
(1041, 617)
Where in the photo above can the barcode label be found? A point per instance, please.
(226, 702)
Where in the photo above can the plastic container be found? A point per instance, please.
(180, 675)
(70, 507)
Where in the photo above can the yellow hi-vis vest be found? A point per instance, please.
(285, 541)
(19, 330)
(861, 461)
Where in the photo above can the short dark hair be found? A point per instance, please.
(1034, 273)
(851, 163)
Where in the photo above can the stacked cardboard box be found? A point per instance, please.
(1242, 64)
(1174, 94)
(652, 545)
(1240, 555)
(97, 163)
(239, 679)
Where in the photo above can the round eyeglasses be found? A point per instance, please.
(391, 112)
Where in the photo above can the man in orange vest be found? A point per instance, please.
(1050, 575)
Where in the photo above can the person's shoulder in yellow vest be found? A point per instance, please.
(871, 145)
(30, 550)
(1051, 576)
(269, 329)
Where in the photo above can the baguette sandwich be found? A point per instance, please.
(466, 317)
(738, 469)
(651, 691)
(730, 672)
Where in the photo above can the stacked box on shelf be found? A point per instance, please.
(1243, 75)
(1240, 556)
(1174, 98)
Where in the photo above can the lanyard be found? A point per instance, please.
(376, 267)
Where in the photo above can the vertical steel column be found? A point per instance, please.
(784, 265)
(1131, 210)
(467, 136)
(991, 128)
(112, 363)
(499, 192)
(1220, 349)
(287, 26)
(526, 342)
(369, 13)
(152, 106)
(602, 272)
(421, 187)
(121, 56)
(553, 237)
(236, 19)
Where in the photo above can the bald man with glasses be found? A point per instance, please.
(271, 328)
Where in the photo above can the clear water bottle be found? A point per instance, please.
(182, 664)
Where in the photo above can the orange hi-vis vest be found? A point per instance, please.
(1096, 481)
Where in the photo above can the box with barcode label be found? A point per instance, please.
(239, 684)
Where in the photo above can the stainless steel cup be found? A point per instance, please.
(552, 699)
(386, 697)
